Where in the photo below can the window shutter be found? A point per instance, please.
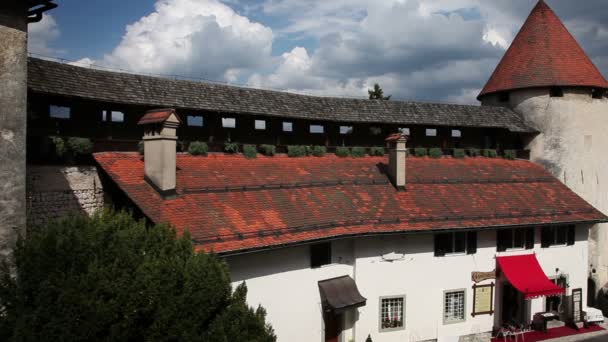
(471, 242)
(546, 237)
(439, 245)
(502, 240)
(571, 235)
(530, 238)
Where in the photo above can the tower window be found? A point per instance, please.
(597, 93)
(503, 97)
(556, 92)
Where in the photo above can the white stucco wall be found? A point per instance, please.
(572, 145)
(283, 282)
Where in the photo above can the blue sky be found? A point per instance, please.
(429, 50)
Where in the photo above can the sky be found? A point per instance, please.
(422, 50)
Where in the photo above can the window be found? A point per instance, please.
(287, 126)
(260, 124)
(557, 236)
(455, 243)
(228, 122)
(346, 130)
(404, 131)
(519, 238)
(320, 255)
(117, 117)
(59, 112)
(556, 92)
(317, 129)
(194, 121)
(454, 306)
(597, 93)
(392, 313)
(431, 132)
(456, 133)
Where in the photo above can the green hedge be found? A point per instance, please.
(319, 151)
(510, 154)
(435, 152)
(250, 151)
(342, 151)
(231, 147)
(198, 148)
(358, 152)
(421, 152)
(490, 153)
(377, 151)
(459, 153)
(474, 152)
(268, 150)
(80, 146)
(295, 151)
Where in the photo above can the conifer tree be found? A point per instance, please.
(111, 278)
(377, 93)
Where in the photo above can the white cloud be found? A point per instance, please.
(41, 35)
(199, 38)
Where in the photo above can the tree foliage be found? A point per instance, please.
(377, 93)
(111, 278)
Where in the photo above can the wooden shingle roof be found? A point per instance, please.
(55, 78)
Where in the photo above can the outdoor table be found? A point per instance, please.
(540, 320)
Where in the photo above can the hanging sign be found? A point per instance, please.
(483, 300)
(478, 277)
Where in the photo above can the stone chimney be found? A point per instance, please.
(160, 140)
(396, 159)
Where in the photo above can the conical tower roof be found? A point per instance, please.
(544, 54)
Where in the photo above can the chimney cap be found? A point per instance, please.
(158, 116)
(396, 137)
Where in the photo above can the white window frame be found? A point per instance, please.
(346, 130)
(227, 120)
(62, 110)
(431, 132)
(404, 130)
(456, 133)
(448, 320)
(117, 113)
(287, 126)
(310, 129)
(466, 241)
(259, 125)
(403, 313)
(194, 117)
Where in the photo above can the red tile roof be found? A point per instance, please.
(229, 203)
(544, 54)
(156, 116)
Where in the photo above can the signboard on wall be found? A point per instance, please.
(483, 300)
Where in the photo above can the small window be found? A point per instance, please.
(557, 236)
(287, 126)
(454, 306)
(346, 130)
(404, 131)
(597, 93)
(392, 313)
(455, 243)
(520, 238)
(317, 129)
(117, 116)
(431, 132)
(194, 120)
(59, 112)
(320, 255)
(260, 124)
(456, 133)
(228, 122)
(556, 92)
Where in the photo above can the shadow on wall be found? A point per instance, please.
(56, 191)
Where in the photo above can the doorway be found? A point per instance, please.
(554, 303)
(513, 305)
(333, 326)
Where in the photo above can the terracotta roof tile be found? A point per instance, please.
(544, 54)
(229, 203)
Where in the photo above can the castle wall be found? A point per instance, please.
(572, 145)
(13, 99)
(56, 191)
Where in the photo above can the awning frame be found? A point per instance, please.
(340, 294)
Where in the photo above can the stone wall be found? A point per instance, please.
(13, 99)
(56, 191)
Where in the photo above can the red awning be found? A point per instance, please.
(526, 275)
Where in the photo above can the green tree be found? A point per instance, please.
(377, 93)
(111, 278)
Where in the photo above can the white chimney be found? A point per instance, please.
(160, 142)
(396, 159)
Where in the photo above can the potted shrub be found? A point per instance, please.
(268, 150)
(435, 152)
(420, 152)
(342, 151)
(319, 151)
(459, 153)
(198, 148)
(231, 147)
(250, 151)
(358, 152)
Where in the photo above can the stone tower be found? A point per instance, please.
(546, 77)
